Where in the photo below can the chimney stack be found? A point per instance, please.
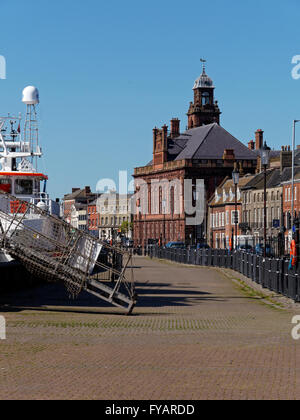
(175, 127)
(251, 145)
(165, 137)
(286, 158)
(259, 139)
(228, 157)
(155, 130)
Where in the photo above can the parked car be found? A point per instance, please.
(177, 245)
(245, 248)
(202, 245)
(199, 246)
(259, 250)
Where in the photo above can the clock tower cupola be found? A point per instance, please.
(204, 110)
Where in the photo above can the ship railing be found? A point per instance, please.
(51, 206)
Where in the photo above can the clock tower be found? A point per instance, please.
(204, 110)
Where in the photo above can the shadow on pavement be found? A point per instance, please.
(51, 295)
(54, 297)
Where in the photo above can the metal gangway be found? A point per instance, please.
(53, 250)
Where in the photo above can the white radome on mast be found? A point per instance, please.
(17, 154)
(31, 96)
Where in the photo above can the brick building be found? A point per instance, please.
(286, 183)
(205, 151)
(253, 206)
(221, 213)
(93, 218)
(78, 196)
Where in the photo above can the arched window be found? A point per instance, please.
(205, 98)
(160, 200)
(172, 198)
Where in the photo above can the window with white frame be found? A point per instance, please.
(272, 215)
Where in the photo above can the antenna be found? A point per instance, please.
(31, 132)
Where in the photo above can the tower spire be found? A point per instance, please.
(203, 61)
(204, 110)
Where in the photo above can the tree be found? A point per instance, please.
(126, 227)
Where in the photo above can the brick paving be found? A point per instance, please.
(193, 335)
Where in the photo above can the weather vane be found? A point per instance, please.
(203, 62)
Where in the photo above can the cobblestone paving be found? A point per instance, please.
(193, 335)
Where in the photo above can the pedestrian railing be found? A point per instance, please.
(271, 273)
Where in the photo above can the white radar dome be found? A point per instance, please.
(42, 206)
(31, 95)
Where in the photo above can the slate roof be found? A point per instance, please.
(79, 194)
(257, 182)
(287, 174)
(297, 157)
(207, 142)
(274, 178)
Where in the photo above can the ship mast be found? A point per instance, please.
(31, 131)
(17, 154)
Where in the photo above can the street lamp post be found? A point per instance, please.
(195, 198)
(265, 158)
(293, 172)
(235, 179)
(164, 225)
(139, 222)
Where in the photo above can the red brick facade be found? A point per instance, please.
(93, 217)
(178, 157)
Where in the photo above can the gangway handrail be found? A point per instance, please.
(52, 248)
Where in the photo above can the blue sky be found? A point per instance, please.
(108, 72)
